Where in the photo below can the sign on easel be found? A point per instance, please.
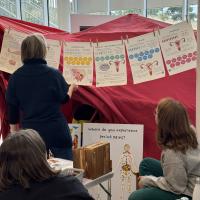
(126, 150)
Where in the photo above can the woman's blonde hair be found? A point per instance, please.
(174, 130)
(33, 46)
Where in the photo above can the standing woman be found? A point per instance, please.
(175, 175)
(34, 95)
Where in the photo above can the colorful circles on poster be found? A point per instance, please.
(102, 58)
(151, 51)
(131, 57)
(150, 56)
(144, 55)
(77, 60)
(111, 57)
(107, 57)
(141, 53)
(181, 60)
(117, 57)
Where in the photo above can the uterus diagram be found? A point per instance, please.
(149, 66)
(177, 43)
(116, 63)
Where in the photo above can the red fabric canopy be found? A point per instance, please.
(132, 104)
(135, 104)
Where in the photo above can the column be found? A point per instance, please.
(64, 11)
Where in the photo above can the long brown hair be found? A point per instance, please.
(174, 130)
(23, 159)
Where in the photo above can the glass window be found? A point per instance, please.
(33, 11)
(125, 7)
(192, 13)
(53, 13)
(168, 11)
(126, 12)
(92, 6)
(8, 8)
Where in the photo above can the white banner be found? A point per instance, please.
(145, 58)
(78, 63)
(179, 47)
(126, 149)
(10, 57)
(110, 64)
(53, 53)
(75, 130)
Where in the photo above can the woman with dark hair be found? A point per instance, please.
(26, 175)
(34, 95)
(174, 176)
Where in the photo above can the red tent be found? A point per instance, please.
(133, 104)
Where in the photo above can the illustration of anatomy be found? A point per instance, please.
(128, 170)
(149, 66)
(78, 74)
(177, 43)
(75, 142)
(116, 64)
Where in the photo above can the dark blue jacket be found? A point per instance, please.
(34, 96)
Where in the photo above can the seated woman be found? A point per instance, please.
(175, 176)
(26, 175)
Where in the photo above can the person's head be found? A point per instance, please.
(174, 130)
(23, 159)
(33, 46)
(76, 137)
(127, 147)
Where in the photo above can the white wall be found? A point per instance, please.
(77, 20)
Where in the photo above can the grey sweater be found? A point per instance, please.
(180, 172)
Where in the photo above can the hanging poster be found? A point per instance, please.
(78, 63)
(126, 151)
(145, 58)
(179, 47)
(75, 130)
(53, 53)
(110, 64)
(10, 57)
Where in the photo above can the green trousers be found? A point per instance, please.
(153, 167)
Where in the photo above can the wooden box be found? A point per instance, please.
(94, 159)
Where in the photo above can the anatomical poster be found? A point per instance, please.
(179, 47)
(126, 152)
(145, 58)
(110, 64)
(10, 57)
(78, 63)
(53, 53)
